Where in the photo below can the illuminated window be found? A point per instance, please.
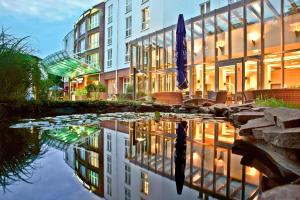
(93, 59)
(94, 40)
(128, 26)
(94, 178)
(94, 21)
(94, 141)
(127, 194)
(110, 14)
(145, 18)
(127, 174)
(94, 159)
(144, 183)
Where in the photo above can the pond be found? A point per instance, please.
(123, 156)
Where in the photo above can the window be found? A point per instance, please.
(109, 59)
(108, 137)
(94, 40)
(127, 194)
(94, 159)
(128, 5)
(109, 186)
(128, 26)
(82, 171)
(127, 53)
(94, 140)
(145, 18)
(110, 14)
(127, 174)
(204, 7)
(126, 83)
(82, 154)
(82, 28)
(94, 21)
(93, 59)
(109, 35)
(82, 45)
(144, 183)
(108, 164)
(94, 178)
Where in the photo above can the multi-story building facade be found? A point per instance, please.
(127, 20)
(89, 42)
(232, 45)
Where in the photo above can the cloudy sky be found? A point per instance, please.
(45, 21)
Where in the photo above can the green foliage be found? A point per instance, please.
(141, 94)
(129, 89)
(19, 70)
(101, 88)
(81, 92)
(91, 87)
(271, 102)
(157, 116)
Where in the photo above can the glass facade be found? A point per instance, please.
(246, 45)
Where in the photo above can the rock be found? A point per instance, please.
(204, 110)
(283, 117)
(219, 110)
(243, 117)
(285, 138)
(247, 129)
(258, 133)
(282, 192)
(259, 109)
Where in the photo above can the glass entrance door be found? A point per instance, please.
(237, 76)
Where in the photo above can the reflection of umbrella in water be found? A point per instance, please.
(180, 155)
(56, 88)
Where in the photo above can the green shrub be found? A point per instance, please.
(91, 87)
(271, 102)
(129, 89)
(81, 92)
(101, 88)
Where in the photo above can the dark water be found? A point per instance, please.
(169, 159)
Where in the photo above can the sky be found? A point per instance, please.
(45, 21)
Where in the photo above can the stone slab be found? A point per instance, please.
(244, 117)
(282, 192)
(283, 117)
(247, 129)
(285, 138)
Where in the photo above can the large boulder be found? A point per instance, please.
(248, 128)
(283, 117)
(219, 110)
(282, 192)
(242, 118)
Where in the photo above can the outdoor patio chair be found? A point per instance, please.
(218, 97)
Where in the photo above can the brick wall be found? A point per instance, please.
(287, 95)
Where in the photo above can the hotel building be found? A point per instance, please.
(89, 43)
(232, 45)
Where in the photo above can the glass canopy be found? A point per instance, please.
(63, 64)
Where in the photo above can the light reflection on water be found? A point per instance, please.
(140, 160)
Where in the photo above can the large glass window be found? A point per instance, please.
(198, 35)
(94, 40)
(292, 70)
(209, 36)
(272, 26)
(145, 18)
(189, 43)
(253, 28)
(222, 36)
(272, 71)
(94, 159)
(291, 24)
(94, 20)
(160, 46)
(94, 141)
(169, 53)
(237, 33)
(154, 57)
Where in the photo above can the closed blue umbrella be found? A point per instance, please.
(181, 54)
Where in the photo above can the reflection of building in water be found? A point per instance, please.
(89, 162)
(137, 156)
